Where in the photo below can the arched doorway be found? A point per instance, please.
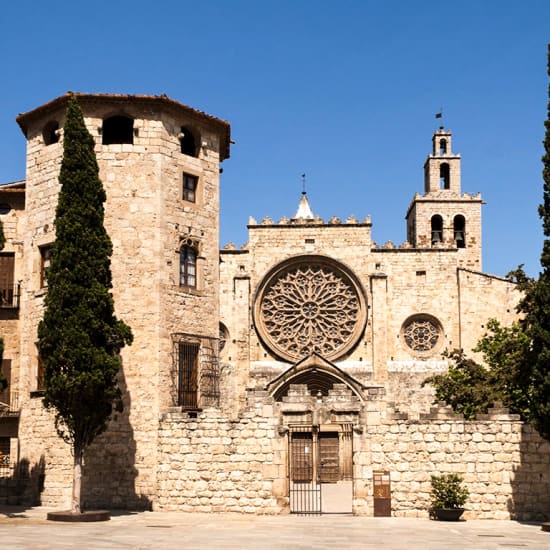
(320, 404)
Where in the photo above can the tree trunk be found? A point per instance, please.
(77, 481)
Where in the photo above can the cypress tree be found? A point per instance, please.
(80, 338)
(536, 306)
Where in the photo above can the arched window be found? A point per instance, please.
(188, 266)
(459, 230)
(444, 176)
(50, 132)
(437, 229)
(224, 336)
(187, 142)
(442, 147)
(118, 129)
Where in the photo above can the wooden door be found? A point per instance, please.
(329, 457)
(302, 456)
(382, 494)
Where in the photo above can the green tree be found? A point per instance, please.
(465, 386)
(79, 338)
(535, 307)
(504, 350)
(518, 357)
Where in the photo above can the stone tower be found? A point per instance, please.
(159, 162)
(443, 217)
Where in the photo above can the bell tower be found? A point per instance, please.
(442, 167)
(443, 217)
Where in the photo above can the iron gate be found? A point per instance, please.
(305, 486)
(320, 469)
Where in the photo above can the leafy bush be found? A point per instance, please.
(448, 492)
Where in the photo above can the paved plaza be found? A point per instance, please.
(28, 529)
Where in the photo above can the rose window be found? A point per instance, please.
(310, 305)
(421, 333)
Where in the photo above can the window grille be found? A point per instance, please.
(9, 290)
(196, 371)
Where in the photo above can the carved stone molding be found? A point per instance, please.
(422, 334)
(310, 304)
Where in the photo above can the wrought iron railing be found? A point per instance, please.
(9, 297)
(196, 371)
(6, 468)
(9, 403)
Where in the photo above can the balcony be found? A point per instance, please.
(9, 297)
(11, 407)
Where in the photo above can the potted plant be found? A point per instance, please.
(447, 497)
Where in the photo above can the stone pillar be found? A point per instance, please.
(379, 325)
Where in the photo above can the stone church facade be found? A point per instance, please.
(282, 376)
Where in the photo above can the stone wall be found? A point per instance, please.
(44, 453)
(505, 463)
(214, 464)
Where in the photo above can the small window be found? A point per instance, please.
(422, 334)
(187, 142)
(224, 337)
(188, 266)
(40, 376)
(190, 187)
(442, 147)
(118, 129)
(437, 229)
(45, 263)
(5, 369)
(444, 176)
(459, 229)
(50, 132)
(8, 296)
(188, 366)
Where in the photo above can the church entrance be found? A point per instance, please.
(320, 469)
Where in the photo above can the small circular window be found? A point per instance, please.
(422, 334)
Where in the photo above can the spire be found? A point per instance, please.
(304, 210)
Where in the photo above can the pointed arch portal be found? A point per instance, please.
(318, 374)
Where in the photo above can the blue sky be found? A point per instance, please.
(344, 91)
